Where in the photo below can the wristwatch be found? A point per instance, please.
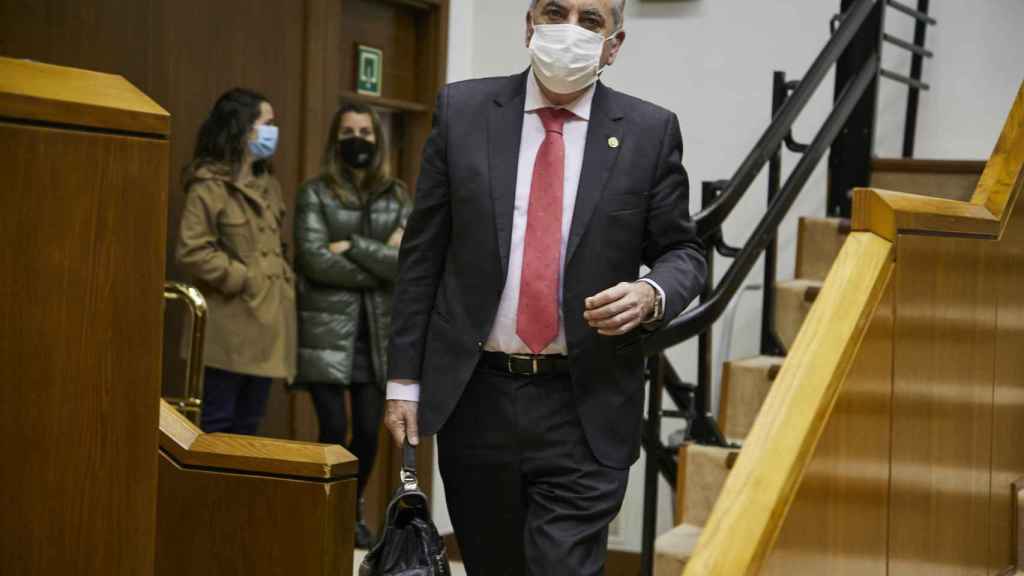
(659, 305)
(659, 302)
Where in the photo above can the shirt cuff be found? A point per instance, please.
(659, 311)
(400, 391)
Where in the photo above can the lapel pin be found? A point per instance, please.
(613, 142)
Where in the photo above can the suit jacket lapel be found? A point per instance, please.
(505, 129)
(604, 135)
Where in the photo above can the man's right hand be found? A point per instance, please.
(400, 419)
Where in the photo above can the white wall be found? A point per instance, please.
(711, 62)
(975, 74)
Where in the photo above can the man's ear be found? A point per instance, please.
(529, 28)
(614, 44)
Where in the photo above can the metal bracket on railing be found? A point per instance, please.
(709, 191)
(791, 144)
(834, 22)
(191, 402)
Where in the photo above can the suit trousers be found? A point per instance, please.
(233, 402)
(524, 491)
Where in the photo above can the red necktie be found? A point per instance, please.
(537, 317)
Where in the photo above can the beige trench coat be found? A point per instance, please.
(230, 243)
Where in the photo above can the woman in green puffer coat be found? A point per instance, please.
(348, 226)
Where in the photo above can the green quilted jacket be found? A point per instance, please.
(332, 288)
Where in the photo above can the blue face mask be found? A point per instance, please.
(265, 144)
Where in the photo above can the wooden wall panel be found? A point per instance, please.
(838, 523)
(1007, 278)
(80, 303)
(102, 35)
(942, 417)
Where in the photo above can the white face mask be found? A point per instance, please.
(566, 57)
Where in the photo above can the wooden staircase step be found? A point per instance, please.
(818, 243)
(793, 300)
(951, 179)
(702, 473)
(745, 384)
(672, 550)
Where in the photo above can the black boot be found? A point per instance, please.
(364, 537)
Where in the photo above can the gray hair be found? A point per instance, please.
(618, 6)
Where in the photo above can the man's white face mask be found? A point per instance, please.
(566, 57)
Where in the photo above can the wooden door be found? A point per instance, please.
(413, 36)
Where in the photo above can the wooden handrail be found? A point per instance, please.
(189, 447)
(753, 504)
(747, 517)
(1000, 183)
(889, 213)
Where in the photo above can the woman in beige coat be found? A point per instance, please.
(230, 243)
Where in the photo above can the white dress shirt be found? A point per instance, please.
(503, 337)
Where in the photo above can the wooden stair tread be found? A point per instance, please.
(950, 179)
(819, 241)
(793, 300)
(928, 165)
(758, 361)
(673, 549)
(702, 473)
(745, 384)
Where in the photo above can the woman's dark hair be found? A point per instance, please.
(225, 132)
(335, 171)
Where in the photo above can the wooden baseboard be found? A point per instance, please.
(619, 563)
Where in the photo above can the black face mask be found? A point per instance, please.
(357, 152)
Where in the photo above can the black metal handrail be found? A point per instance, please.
(854, 48)
(711, 218)
(695, 321)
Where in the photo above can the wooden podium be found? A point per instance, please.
(84, 158)
(89, 451)
(247, 506)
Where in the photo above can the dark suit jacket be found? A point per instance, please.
(631, 209)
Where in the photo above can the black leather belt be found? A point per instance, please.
(526, 364)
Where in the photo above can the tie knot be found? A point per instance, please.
(554, 118)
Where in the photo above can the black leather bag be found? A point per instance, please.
(409, 544)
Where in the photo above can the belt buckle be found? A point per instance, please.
(530, 357)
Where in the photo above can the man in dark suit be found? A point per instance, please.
(540, 197)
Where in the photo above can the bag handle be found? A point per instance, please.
(408, 472)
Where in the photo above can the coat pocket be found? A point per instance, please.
(236, 236)
(255, 287)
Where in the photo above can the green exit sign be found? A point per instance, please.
(369, 68)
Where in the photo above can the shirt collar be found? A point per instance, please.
(536, 100)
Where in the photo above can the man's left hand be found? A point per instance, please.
(621, 308)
